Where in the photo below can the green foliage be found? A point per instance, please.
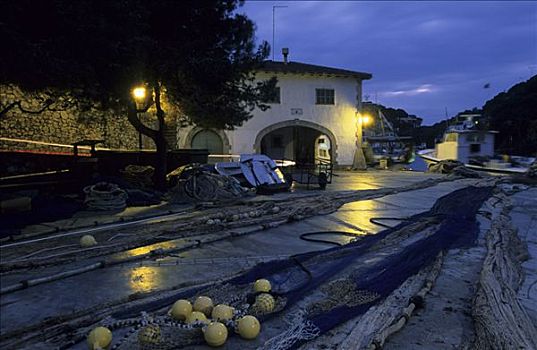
(514, 115)
(202, 52)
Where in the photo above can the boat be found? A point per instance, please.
(474, 147)
(387, 144)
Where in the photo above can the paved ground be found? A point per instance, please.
(227, 257)
(103, 285)
(341, 181)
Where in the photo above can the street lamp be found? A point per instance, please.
(143, 101)
(139, 93)
(359, 162)
(142, 98)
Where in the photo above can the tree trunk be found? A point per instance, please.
(161, 163)
(158, 136)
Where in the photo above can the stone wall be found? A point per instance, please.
(60, 126)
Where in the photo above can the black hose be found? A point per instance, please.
(377, 220)
(305, 236)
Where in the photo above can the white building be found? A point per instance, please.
(314, 117)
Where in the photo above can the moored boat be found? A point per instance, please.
(473, 147)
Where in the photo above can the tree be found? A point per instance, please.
(514, 115)
(403, 123)
(198, 56)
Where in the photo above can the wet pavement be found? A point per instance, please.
(220, 259)
(229, 256)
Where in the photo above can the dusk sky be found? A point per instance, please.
(424, 56)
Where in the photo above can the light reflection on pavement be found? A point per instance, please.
(104, 285)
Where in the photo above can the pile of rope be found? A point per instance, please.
(532, 171)
(202, 186)
(105, 196)
(453, 167)
(138, 175)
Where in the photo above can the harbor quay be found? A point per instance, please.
(127, 281)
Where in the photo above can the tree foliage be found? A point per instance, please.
(396, 116)
(514, 115)
(199, 54)
(202, 52)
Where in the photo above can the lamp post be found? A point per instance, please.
(359, 162)
(143, 102)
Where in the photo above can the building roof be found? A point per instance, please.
(304, 68)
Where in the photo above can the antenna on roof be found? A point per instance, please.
(274, 26)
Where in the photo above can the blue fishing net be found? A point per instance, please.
(300, 276)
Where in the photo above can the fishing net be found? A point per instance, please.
(139, 176)
(329, 288)
(204, 186)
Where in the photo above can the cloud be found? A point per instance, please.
(422, 89)
(424, 55)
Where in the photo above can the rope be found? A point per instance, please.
(532, 170)
(453, 167)
(105, 196)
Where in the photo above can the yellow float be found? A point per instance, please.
(222, 312)
(249, 327)
(181, 309)
(203, 304)
(196, 316)
(87, 241)
(150, 334)
(264, 303)
(215, 334)
(262, 285)
(99, 338)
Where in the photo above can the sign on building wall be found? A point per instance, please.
(296, 111)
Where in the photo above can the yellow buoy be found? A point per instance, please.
(222, 312)
(87, 241)
(99, 337)
(215, 334)
(204, 304)
(264, 303)
(249, 327)
(262, 285)
(181, 309)
(150, 334)
(196, 316)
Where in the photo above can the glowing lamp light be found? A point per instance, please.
(364, 119)
(139, 93)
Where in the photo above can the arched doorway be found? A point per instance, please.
(302, 141)
(207, 139)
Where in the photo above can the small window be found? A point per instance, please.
(277, 141)
(324, 96)
(321, 141)
(475, 148)
(275, 96)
